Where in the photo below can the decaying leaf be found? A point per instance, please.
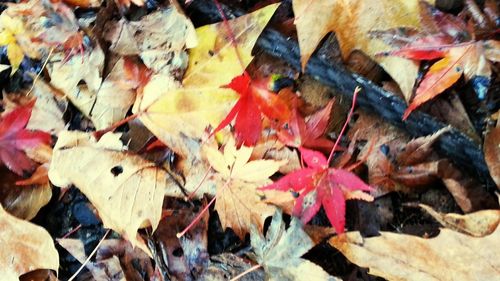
(47, 114)
(159, 38)
(25, 247)
(280, 251)
(126, 190)
(23, 202)
(478, 224)
(352, 20)
(104, 102)
(115, 259)
(449, 256)
(238, 204)
(492, 152)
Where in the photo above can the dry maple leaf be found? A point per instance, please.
(352, 20)
(15, 138)
(238, 204)
(126, 190)
(280, 251)
(25, 247)
(449, 256)
(446, 39)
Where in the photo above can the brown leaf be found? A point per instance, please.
(25, 247)
(476, 224)
(115, 260)
(280, 251)
(126, 190)
(492, 152)
(449, 256)
(23, 202)
(160, 39)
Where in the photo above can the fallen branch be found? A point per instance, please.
(454, 144)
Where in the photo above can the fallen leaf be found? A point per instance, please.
(492, 152)
(352, 20)
(14, 139)
(9, 29)
(185, 257)
(47, 114)
(280, 251)
(449, 256)
(238, 204)
(477, 224)
(26, 247)
(318, 185)
(159, 38)
(126, 190)
(113, 259)
(104, 103)
(255, 100)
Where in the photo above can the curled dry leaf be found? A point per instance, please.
(126, 190)
(25, 247)
(280, 251)
(449, 256)
(239, 204)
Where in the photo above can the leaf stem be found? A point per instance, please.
(89, 257)
(253, 268)
(337, 141)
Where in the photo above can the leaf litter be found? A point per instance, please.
(150, 120)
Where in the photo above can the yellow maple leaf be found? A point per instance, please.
(9, 29)
(352, 20)
(239, 204)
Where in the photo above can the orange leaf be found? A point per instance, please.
(440, 77)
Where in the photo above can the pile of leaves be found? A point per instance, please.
(136, 146)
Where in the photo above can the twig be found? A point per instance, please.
(89, 257)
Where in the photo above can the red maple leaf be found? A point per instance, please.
(255, 100)
(14, 138)
(310, 133)
(318, 185)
